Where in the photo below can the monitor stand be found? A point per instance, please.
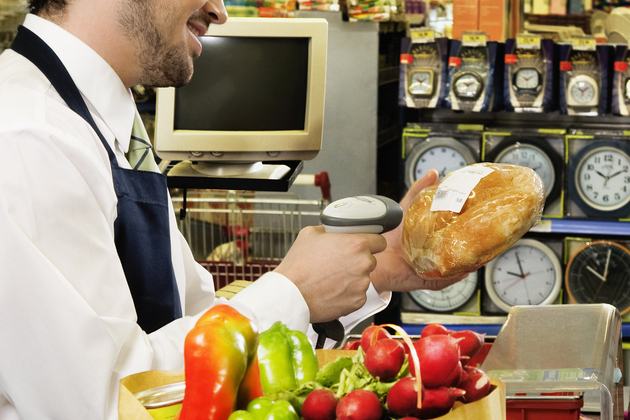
(257, 176)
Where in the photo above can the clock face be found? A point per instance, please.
(528, 273)
(421, 82)
(602, 178)
(527, 79)
(599, 272)
(468, 86)
(449, 298)
(583, 91)
(445, 154)
(627, 89)
(533, 157)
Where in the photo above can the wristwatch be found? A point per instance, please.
(467, 85)
(421, 82)
(527, 80)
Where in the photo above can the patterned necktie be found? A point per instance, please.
(139, 155)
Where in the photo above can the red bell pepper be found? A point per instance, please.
(219, 356)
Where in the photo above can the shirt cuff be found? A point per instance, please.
(273, 298)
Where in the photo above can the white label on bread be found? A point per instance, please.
(454, 190)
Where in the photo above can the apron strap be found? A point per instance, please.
(39, 53)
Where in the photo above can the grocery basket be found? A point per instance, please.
(240, 235)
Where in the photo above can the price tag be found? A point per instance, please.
(474, 39)
(453, 192)
(528, 42)
(584, 43)
(423, 36)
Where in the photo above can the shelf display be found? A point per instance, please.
(423, 70)
(599, 272)
(584, 80)
(529, 76)
(529, 273)
(599, 178)
(473, 73)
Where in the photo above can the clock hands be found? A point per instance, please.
(602, 278)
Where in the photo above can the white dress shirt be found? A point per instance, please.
(69, 331)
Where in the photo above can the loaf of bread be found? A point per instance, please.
(499, 210)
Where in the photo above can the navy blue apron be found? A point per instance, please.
(141, 230)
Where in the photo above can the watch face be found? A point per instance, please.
(421, 82)
(528, 273)
(600, 273)
(449, 298)
(468, 86)
(527, 79)
(602, 178)
(533, 157)
(627, 89)
(583, 91)
(445, 154)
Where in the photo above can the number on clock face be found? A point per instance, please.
(603, 179)
(583, 92)
(527, 79)
(442, 158)
(532, 157)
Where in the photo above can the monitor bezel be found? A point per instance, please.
(244, 146)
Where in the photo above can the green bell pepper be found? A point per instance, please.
(286, 358)
(263, 408)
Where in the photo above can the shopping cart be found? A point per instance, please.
(240, 235)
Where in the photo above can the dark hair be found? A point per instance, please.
(46, 6)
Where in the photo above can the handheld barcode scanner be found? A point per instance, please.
(360, 214)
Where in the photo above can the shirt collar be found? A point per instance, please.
(100, 86)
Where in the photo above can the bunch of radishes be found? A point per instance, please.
(442, 377)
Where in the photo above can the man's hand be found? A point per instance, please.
(331, 270)
(392, 272)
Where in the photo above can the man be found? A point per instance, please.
(78, 277)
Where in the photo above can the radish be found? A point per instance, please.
(402, 401)
(434, 329)
(475, 382)
(368, 333)
(320, 404)
(470, 343)
(438, 356)
(384, 359)
(437, 401)
(402, 398)
(456, 376)
(359, 404)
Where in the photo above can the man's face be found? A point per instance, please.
(165, 33)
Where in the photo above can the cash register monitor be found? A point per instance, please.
(257, 94)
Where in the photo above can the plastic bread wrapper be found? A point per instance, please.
(498, 204)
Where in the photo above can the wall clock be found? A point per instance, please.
(445, 154)
(599, 272)
(449, 298)
(535, 153)
(528, 273)
(599, 178)
(582, 91)
(421, 82)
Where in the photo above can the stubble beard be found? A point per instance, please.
(161, 64)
